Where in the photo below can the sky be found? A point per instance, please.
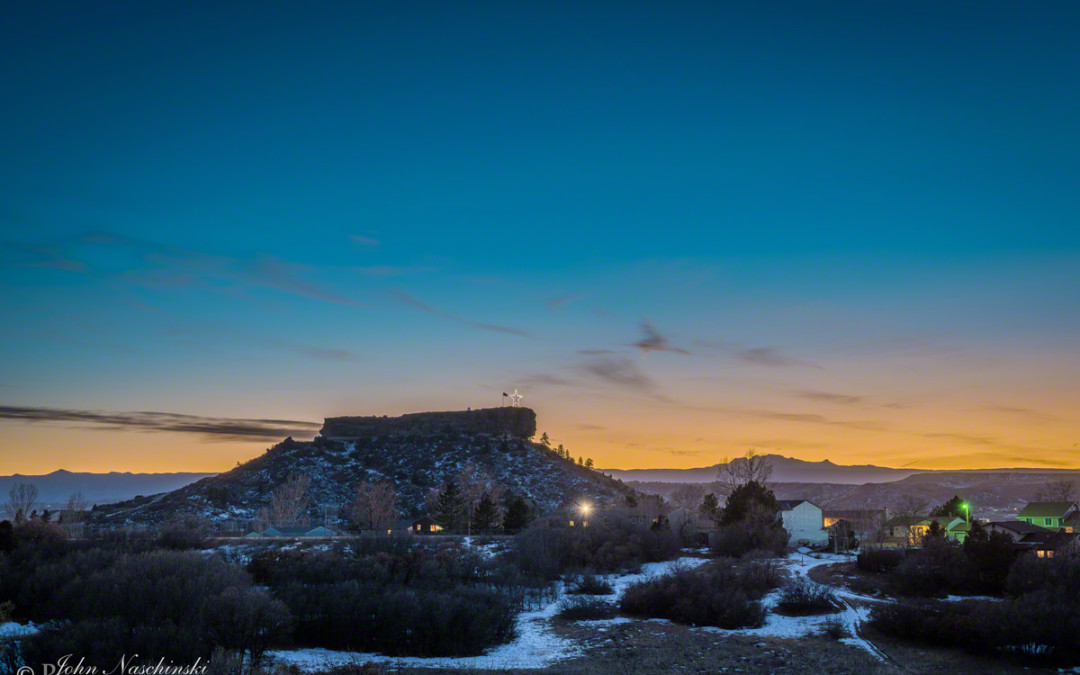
(843, 230)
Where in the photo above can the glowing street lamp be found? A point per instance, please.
(585, 509)
(967, 511)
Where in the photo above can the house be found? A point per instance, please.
(804, 522)
(425, 525)
(1051, 515)
(865, 523)
(1049, 544)
(910, 530)
(1014, 529)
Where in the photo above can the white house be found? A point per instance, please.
(804, 522)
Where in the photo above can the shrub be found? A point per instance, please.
(590, 584)
(802, 597)
(181, 536)
(935, 570)
(727, 595)
(879, 560)
(754, 533)
(546, 551)
(422, 601)
(833, 628)
(582, 608)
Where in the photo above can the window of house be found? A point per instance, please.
(1049, 521)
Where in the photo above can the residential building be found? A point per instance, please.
(804, 522)
(1051, 515)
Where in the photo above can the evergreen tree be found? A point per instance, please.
(935, 531)
(450, 509)
(580, 461)
(544, 440)
(746, 499)
(710, 508)
(518, 514)
(588, 463)
(486, 516)
(953, 507)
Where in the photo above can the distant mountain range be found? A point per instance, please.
(785, 470)
(55, 488)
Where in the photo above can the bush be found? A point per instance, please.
(546, 551)
(803, 597)
(579, 608)
(421, 601)
(461, 620)
(749, 535)
(590, 584)
(104, 599)
(934, 571)
(1041, 626)
(181, 536)
(879, 560)
(833, 628)
(726, 595)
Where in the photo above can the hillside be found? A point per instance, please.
(417, 452)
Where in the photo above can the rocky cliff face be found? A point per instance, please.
(417, 453)
(515, 422)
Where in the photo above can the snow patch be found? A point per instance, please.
(12, 629)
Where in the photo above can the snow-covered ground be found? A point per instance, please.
(776, 625)
(535, 645)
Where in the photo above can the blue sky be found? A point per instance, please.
(308, 210)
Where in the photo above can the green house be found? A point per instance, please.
(1051, 515)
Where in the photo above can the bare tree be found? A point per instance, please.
(1063, 490)
(752, 467)
(21, 500)
(375, 505)
(289, 500)
(74, 513)
(911, 508)
(688, 495)
(473, 484)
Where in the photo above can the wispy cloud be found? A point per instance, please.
(809, 418)
(390, 270)
(653, 341)
(680, 453)
(138, 262)
(619, 372)
(542, 379)
(208, 428)
(769, 356)
(363, 240)
(559, 301)
(416, 303)
(596, 352)
(324, 353)
(828, 397)
(1020, 412)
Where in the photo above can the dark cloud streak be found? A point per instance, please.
(208, 428)
(418, 304)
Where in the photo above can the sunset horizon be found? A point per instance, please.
(844, 232)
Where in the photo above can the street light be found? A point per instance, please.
(967, 512)
(585, 508)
